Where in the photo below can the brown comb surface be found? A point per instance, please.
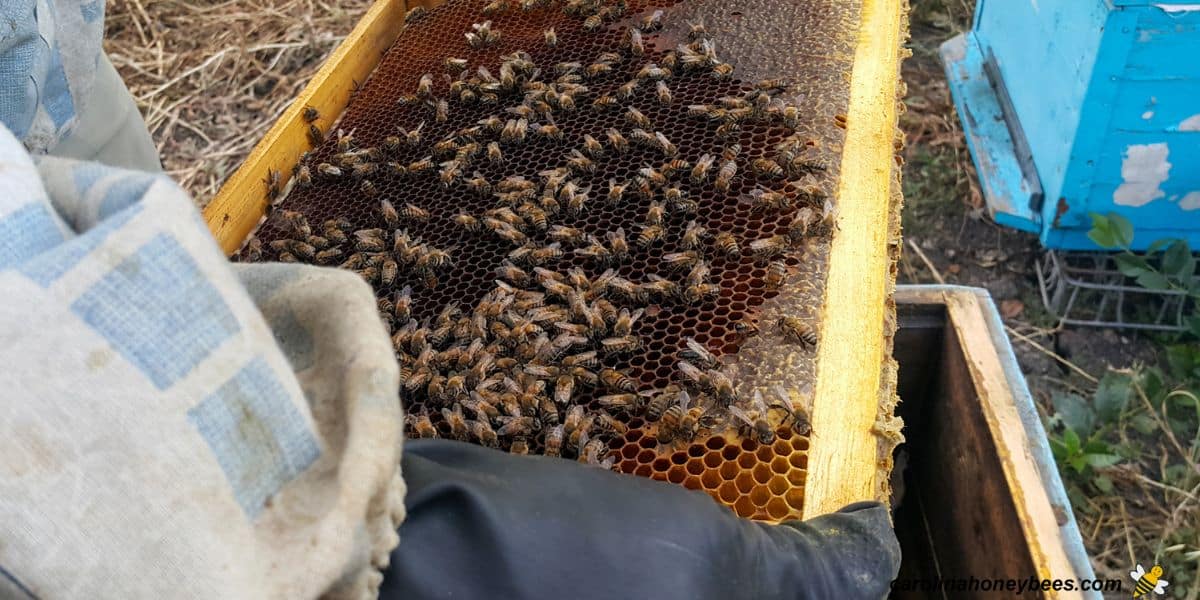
(809, 44)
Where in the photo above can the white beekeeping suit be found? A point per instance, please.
(171, 425)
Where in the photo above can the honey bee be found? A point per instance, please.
(606, 424)
(626, 403)
(698, 353)
(484, 434)
(798, 331)
(652, 21)
(389, 214)
(457, 422)
(441, 110)
(414, 15)
(549, 131)
(663, 93)
(725, 175)
(621, 345)
(455, 65)
(618, 244)
(693, 236)
(722, 71)
(579, 163)
(514, 131)
(800, 422)
(635, 117)
(468, 222)
(776, 273)
(681, 422)
(592, 23)
(593, 453)
(769, 248)
(328, 170)
(550, 37)
(767, 168)
(412, 137)
(626, 90)
(618, 142)
(421, 166)
(650, 234)
(625, 321)
(402, 306)
(421, 426)
(680, 261)
(554, 441)
(520, 446)
(804, 218)
(726, 245)
(760, 200)
(369, 189)
(664, 145)
(524, 426)
(316, 137)
(412, 212)
(755, 420)
(597, 69)
(699, 291)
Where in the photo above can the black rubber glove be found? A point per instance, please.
(488, 525)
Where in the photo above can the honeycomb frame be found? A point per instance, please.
(761, 492)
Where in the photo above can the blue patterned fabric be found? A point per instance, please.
(259, 438)
(26, 232)
(154, 397)
(159, 311)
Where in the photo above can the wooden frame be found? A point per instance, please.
(843, 456)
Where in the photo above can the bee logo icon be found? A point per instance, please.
(1147, 582)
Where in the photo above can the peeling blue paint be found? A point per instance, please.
(1107, 93)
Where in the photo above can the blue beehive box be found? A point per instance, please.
(1078, 106)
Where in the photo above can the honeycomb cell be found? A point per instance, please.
(777, 508)
(795, 499)
(714, 443)
(744, 482)
(759, 496)
(679, 458)
(798, 461)
(661, 464)
(764, 454)
(712, 461)
(761, 473)
(744, 506)
(645, 456)
(729, 470)
(676, 474)
(695, 467)
(630, 452)
(643, 470)
(800, 444)
(780, 465)
(692, 482)
(695, 451)
(778, 485)
(728, 492)
(746, 461)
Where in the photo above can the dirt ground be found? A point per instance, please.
(210, 95)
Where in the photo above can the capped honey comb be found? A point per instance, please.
(738, 323)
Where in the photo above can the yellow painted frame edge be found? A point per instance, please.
(242, 200)
(851, 352)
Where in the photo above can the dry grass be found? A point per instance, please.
(211, 78)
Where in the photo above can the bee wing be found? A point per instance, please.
(759, 402)
(696, 347)
(637, 314)
(1160, 588)
(684, 399)
(741, 414)
(1137, 573)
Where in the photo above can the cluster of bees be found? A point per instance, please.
(529, 365)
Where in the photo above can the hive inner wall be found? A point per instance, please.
(815, 56)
